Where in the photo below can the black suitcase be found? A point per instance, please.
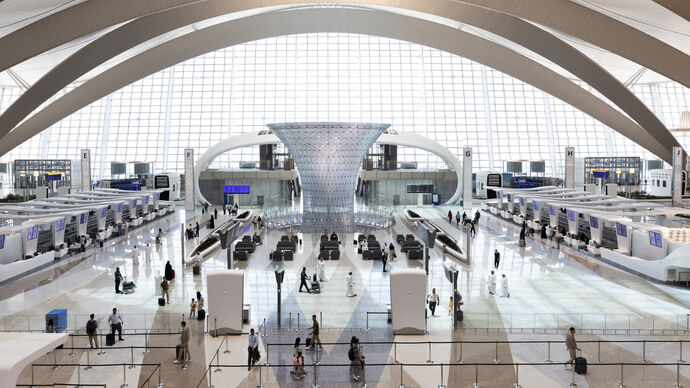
(308, 344)
(161, 301)
(178, 350)
(581, 365)
(459, 315)
(110, 339)
(201, 314)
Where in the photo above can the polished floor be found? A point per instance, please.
(549, 289)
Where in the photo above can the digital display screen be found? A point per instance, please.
(242, 189)
(32, 233)
(119, 208)
(84, 218)
(571, 215)
(621, 230)
(552, 210)
(535, 205)
(418, 188)
(158, 196)
(146, 200)
(655, 239)
(134, 204)
(245, 229)
(2, 241)
(599, 174)
(510, 197)
(593, 222)
(60, 225)
(103, 212)
(522, 201)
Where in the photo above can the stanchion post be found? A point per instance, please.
(264, 329)
(621, 384)
(548, 352)
(215, 327)
(496, 354)
(644, 352)
(429, 360)
(88, 359)
(680, 359)
(476, 376)
(401, 377)
(364, 376)
(572, 378)
(290, 321)
(33, 383)
(598, 351)
(460, 360)
(55, 367)
(72, 352)
(210, 380)
(395, 352)
(677, 384)
(160, 384)
(267, 354)
(517, 377)
(315, 385)
(321, 319)
(101, 351)
(227, 351)
(298, 322)
(367, 321)
(124, 376)
(218, 370)
(146, 343)
(131, 365)
(441, 385)
(78, 375)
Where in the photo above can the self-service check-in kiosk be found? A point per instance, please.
(511, 204)
(83, 223)
(572, 222)
(523, 207)
(117, 213)
(30, 240)
(408, 295)
(499, 200)
(623, 238)
(102, 216)
(225, 300)
(536, 211)
(595, 229)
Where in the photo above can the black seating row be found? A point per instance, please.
(375, 254)
(333, 254)
(400, 238)
(415, 254)
(286, 246)
(247, 246)
(407, 245)
(329, 245)
(281, 255)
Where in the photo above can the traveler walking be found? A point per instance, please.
(314, 329)
(476, 217)
(433, 300)
(384, 260)
(196, 230)
(159, 236)
(497, 259)
(115, 322)
(135, 255)
(199, 301)
(571, 345)
(253, 349)
(148, 252)
(118, 279)
(350, 285)
(92, 332)
(165, 289)
(183, 348)
(304, 277)
(169, 273)
(321, 269)
(450, 217)
(356, 357)
(457, 218)
(491, 283)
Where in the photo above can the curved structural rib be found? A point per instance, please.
(506, 26)
(680, 8)
(402, 139)
(332, 20)
(563, 15)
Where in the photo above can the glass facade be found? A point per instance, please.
(336, 77)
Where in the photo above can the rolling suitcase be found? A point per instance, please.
(308, 344)
(178, 350)
(110, 339)
(161, 301)
(581, 365)
(201, 314)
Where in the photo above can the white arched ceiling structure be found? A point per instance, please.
(411, 140)
(679, 7)
(352, 20)
(565, 16)
(508, 27)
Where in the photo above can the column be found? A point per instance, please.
(570, 167)
(467, 178)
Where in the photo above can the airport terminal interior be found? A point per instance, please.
(370, 193)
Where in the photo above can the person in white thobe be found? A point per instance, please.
(135, 255)
(321, 270)
(350, 285)
(491, 283)
(506, 290)
(148, 252)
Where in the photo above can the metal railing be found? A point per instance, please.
(86, 367)
(147, 383)
(509, 344)
(77, 322)
(474, 367)
(61, 385)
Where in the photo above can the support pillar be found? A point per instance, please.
(569, 168)
(189, 182)
(86, 170)
(467, 178)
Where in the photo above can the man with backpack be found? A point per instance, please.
(92, 332)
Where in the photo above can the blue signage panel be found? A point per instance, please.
(236, 189)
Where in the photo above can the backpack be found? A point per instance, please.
(351, 354)
(90, 327)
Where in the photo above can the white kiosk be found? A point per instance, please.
(225, 300)
(408, 295)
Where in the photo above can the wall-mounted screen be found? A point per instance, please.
(571, 215)
(134, 204)
(412, 188)
(119, 208)
(2, 241)
(60, 225)
(655, 239)
(621, 230)
(244, 189)
(104, 211)
(535, 205)
(158, 196)
(510, 197)
(84, 218)
(552, 210)
(522, 201)
(32, 233)
(593, 222)
(146, 200)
